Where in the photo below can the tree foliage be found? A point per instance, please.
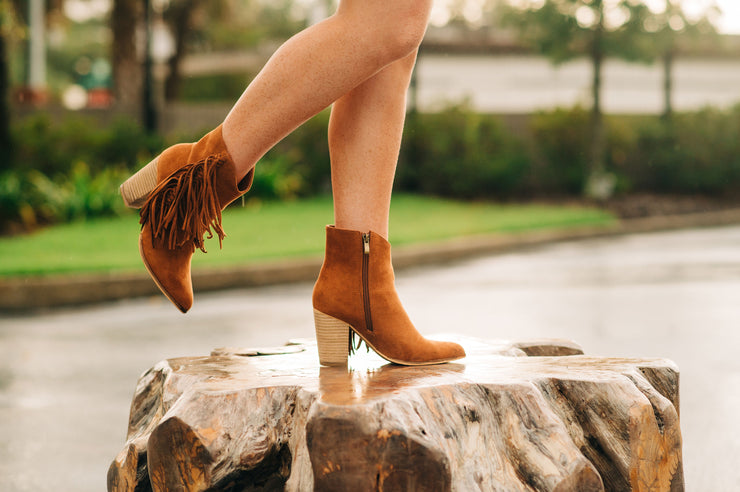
(599, 29)
(667, 29)
(566, 29)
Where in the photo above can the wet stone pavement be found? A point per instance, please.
(67, 376)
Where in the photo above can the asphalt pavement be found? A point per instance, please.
(67, 375)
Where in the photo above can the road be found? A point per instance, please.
(522, 84)
(67, 376)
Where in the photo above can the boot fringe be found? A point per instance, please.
(355, 342)
(185, 206)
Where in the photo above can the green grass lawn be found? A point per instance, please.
(276, 230)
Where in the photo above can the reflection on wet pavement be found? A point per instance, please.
(67, 376)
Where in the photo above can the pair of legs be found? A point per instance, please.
(361, 60)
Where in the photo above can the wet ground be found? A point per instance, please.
(67, 376)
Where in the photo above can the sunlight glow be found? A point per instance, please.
(440, 13)
(585, 16)
(728, 22)
(727, 19)
(84, 10)
(615, 16)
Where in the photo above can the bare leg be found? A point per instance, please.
(355, 293)
(318, 66)
(364, 139)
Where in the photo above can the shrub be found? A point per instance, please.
(305, 154)
(276, 180)
(458, 153)
(28, 198)
(621, 144)
(213, 87)
(72, 171)
(16, 213)
(82, 194)
(562, 145)
(52, 149)
(124, 143)
(693, 153)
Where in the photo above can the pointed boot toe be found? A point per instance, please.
(170, 270)
(448, 351)
(456, 351)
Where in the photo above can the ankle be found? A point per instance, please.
(362, 224)
(242, 170)
(243, 163)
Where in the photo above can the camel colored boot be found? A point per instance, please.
(181, 194)
(356, 293)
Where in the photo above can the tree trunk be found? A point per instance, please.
(127, 68)
(599, 183)
(499, 420)
(148, 104)
(173, 82)
(178, 16)
(5, 139)
(668, 59)
(597, 120)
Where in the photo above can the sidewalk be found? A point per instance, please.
(28, 293)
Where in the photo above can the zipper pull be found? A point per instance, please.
(366, 243)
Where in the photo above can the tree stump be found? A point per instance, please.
(510, 417)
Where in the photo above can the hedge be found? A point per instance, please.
(72, 171)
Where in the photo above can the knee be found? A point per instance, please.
(393, 29)
(404, 29)
(404, 33)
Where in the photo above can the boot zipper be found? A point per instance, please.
(365, 282)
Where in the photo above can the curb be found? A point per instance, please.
(30, 293)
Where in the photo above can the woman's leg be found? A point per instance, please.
(364, 139)
(183, 190)
(355, 294)
(318, 66)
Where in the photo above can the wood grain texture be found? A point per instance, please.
(499, 420)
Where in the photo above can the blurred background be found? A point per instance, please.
(534, 99)
(523, 116)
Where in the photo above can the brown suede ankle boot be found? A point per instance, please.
(356, 293)
(181, 194)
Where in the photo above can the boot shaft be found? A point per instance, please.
(356, 289)
(195, 183)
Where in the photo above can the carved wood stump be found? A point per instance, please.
(509, 417)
